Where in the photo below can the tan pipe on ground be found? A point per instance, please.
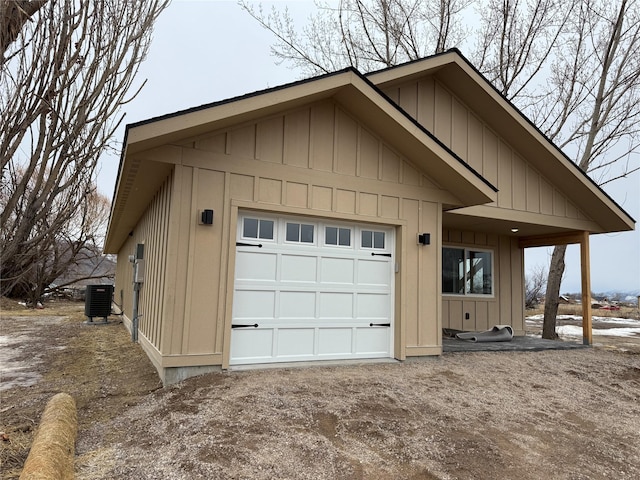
(53, 449)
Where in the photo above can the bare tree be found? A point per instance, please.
(534, 286)
(67, 68)
(597, 114)
(573, 67)
(367, 35)
(516, 40)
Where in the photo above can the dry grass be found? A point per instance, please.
(576, 310)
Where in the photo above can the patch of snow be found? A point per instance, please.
(614, 320)
(558, 317)
(576, 331)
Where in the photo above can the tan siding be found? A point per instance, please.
(475, 148)
(519, 183)
(270, 191)
(269, 140)
(297, 194)
(443, 110)
(533, 190)
(490, 156)
(152, 232)
(390, 166)
(455, 315)
(346, 144)
(426, 103)
(242, 141)
(413, 274)
(321, 198)
(296, 139)
(200, 317)
(559, 204)
(460, 133)
(242, 187)
(546, 197)
(345, 201)
(408, 99)
(368, 204)
(216, 144)
(430, 307)
(505, 194)
(369, 155)
(520, 186)
(410, 175)
(390, 207)
(505, 306)
(322, 136)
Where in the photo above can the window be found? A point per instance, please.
(466, 271)
(299, 232)
(257, 228)
(337, 236)
(371, 239)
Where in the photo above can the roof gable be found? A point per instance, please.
(347, 88)
(454, 71)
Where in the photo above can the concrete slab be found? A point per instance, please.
(517, 344)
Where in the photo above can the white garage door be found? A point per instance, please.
(311, 290)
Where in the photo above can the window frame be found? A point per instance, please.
(339, 228)
(467, 250)
(259, 218)
(373, 233)
(300, 225)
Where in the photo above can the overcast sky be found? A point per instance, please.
(209, 50)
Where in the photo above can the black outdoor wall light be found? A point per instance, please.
(206, 217)
(424, 238)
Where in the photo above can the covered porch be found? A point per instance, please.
(519, 343)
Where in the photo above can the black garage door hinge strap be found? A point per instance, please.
(240, 325)
(380, 254)
(379, 324)
(241, 244)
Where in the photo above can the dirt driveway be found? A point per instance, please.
(555, 414)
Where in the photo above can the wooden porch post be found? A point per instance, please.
(585, 267)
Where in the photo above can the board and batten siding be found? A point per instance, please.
(506, 305)
(152, 231)
(317, 161)
(520, 186)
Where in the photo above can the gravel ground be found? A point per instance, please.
(554, 414)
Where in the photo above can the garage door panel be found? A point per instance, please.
(335, 341)
(373, 340)
(295, 342)
(373, 306)
(297, 305)
(337, 270)
(336, 305)
(298, 268)
(254, 304)
(252, 345)
(256, 266)
(373, 272)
